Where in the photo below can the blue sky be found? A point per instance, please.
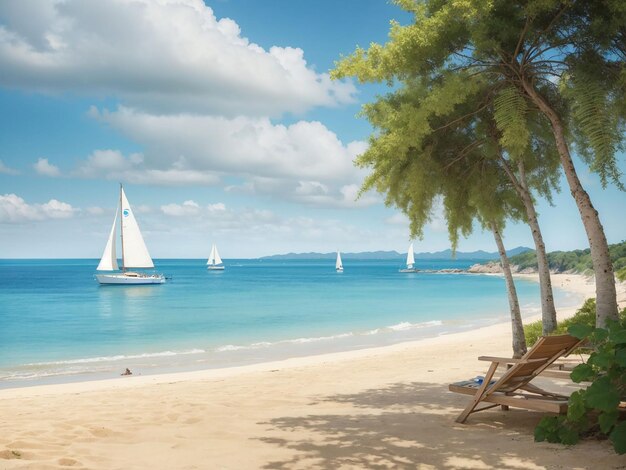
(221, 122)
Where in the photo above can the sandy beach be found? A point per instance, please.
(378, 408)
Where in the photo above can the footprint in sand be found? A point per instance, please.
(10, 454)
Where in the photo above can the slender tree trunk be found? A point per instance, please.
(606, 297)
(548, 311)
(519, 341)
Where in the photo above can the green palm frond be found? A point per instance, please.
(510, 109)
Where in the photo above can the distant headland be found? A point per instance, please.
(445, 254)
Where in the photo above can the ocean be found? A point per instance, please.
(57, 324)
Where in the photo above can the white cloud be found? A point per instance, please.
(14, 209)
(167, 55)
(187, 208)
(45, 168)
(240, 146)
(113, 165)
(6, 170)
(303, 162)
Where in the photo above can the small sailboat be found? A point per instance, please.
(134, 251)
(410, 261)
(339, 264)
(214, 262)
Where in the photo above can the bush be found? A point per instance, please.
(595, 409)
(621, 274)
(585, 315)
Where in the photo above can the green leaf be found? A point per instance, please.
(618, 336)
(620, 357)
(599, 335)
(580, 331)
(602, 395)
(568, 436)
(618, 438)
(576, 406)
(581, 373)
(547, 429)
(603, 359)
(607, 420)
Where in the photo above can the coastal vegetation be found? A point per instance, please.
(503, 76)
(577, 261)
(585, 315)
(594, 410)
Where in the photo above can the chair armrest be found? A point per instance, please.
(509, 360)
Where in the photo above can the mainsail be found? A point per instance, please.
(109, 257)
(410, 258)
(134, 251)
(338, 264)
(217, 259)
(214, 257)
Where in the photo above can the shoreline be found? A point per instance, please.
(573, 283)
(246, 356)
(383, 407)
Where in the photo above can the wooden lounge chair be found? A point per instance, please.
(513, 388)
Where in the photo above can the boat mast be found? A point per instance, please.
(122, 228)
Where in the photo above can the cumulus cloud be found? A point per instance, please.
(241, 145)
(113, 165)
(179, 210)
(302, 162)
(45, 168)
(6, 170)
(168, 55)
(14, 209)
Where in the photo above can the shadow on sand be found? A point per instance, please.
(411, 425)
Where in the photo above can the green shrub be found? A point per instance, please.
(595, 409)
(621, 274)
(585, 315)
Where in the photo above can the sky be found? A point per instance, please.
(221, 121)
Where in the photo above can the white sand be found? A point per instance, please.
(379, 408)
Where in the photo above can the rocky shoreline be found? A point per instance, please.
(489, 268)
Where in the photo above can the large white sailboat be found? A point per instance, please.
(134, 251)
(214, 263)
(338, 263)
(410, 261)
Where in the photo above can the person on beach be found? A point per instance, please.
(127, 372)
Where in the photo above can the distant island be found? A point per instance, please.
(445, 254)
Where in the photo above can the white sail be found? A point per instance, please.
(338, 264)
(134, 250)
(211, 259)
(108, 262)
(217, 259)
(410, 257)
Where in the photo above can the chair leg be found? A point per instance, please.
(479, 394)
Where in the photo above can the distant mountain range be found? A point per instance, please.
(445, 254)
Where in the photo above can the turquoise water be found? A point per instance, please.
(58, 324)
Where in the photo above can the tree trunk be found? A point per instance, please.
(548, 311)
(519, 341)
(606, 297)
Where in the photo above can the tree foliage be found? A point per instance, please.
(594, 409)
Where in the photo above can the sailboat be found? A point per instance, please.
(410, 261)
(214, 262)
(339, 264)
(134, 251)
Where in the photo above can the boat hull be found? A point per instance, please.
(121, 279)
(409, 270)
(216, 268)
